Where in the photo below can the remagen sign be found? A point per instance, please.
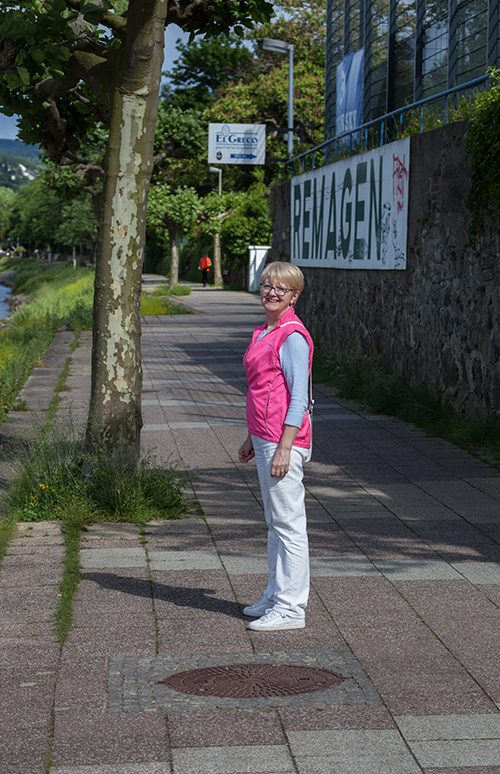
(353, 214)
(236, 143)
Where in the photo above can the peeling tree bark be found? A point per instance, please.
(217, 261)
(115, 407)
(174, 255)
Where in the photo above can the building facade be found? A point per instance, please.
(413, 49)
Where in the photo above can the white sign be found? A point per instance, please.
(236, 143)
(257, 255)
(353, 214)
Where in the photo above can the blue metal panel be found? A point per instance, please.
(493, 56)
(418, 86)
(452, 43)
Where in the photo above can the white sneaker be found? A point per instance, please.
(258, 608)
(276, 620)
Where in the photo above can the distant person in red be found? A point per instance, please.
(205, 264)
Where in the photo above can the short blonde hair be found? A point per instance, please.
(290, 275)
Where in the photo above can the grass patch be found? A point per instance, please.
(80, 318)
(76, 516)
(7, 528)
(166, 290)
(388, 393)
(54, 470)
(54, 294)
(155, 305)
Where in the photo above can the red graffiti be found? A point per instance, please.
(399, 175)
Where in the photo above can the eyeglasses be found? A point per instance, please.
(280, 292)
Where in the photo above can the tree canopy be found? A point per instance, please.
(59, 58)
(203, 67)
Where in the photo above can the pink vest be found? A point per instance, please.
(268, 397)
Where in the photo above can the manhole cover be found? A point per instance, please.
(248, 681)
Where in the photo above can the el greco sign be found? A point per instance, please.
(353, 214)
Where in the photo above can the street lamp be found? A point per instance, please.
(219, 172)
(268, 44)
(217, 260)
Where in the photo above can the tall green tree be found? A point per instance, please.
(66, 65)
(41, 215)
(203, 67)
(175, 212)
(7, 197)
(36, 214)
(78, 223)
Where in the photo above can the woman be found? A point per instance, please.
(277, 363)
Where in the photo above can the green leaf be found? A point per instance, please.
(91, 12)
(37, 55)
(120, 6)
(24, 75)
(12, 81)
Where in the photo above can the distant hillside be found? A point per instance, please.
(19, 149)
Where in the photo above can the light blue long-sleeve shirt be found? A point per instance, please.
(294, 360)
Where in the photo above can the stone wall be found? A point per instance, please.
(437, 322)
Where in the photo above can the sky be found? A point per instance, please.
(8, 129)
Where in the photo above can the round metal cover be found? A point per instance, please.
(248, 681)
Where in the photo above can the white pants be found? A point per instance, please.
(287, 545)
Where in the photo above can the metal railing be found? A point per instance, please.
(325, 147)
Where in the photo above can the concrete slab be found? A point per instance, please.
(473, 752)
(352, 752)
(115, 531)
(99, 558)
(321, 567)
(247, 759)
(479, 572)
(184, 560)
(416, 569)
(116, 768)
(449, 727)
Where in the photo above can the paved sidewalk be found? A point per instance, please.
(404, 534)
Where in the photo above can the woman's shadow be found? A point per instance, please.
(181, 596)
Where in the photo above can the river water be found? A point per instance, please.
(4, 307)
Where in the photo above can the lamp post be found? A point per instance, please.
(217, 259)
(268, 44)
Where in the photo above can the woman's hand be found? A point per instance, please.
(246, 452)
(281, 462)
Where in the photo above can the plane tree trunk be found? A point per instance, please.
(174, 254)
(115, 406)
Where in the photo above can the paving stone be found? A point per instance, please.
(23, 751)
(98, 558)
(472, 752)
(184, 560)
(335, 718)
(479, 572)
(449, 727)
(351, 752)
(117, 768)
(465, 770)
(224, 727)
(83, 738)
(255, 759)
